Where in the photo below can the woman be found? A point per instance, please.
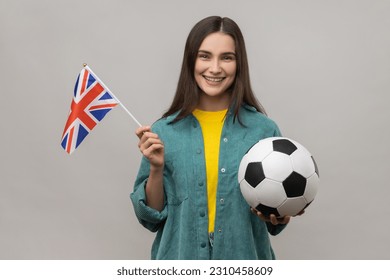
(186, 188)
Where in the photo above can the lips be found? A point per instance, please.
(214, 79)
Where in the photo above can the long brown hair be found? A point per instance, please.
(187, 92)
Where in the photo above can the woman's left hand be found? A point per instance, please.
(272, 218)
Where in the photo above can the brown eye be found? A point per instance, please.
(228, 57)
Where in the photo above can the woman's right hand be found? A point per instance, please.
(151, 147)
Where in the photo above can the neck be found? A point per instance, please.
(213, 103)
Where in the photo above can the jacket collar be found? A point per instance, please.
(229, 113)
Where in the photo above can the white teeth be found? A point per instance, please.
(211, 79)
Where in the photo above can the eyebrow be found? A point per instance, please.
(225, 53)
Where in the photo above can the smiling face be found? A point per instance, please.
(215, 71)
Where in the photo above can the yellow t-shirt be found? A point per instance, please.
(211, 124)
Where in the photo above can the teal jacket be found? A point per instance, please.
(182, 226)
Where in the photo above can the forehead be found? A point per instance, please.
(218, 42)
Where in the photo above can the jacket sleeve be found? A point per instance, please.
(277, 132)
(147, 216)
(275, 230)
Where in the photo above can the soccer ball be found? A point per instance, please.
(278, 176)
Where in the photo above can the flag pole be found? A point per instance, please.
(120, 103)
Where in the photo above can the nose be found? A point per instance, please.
(215, 66)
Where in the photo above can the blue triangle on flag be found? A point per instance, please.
(91, 80)
(63, 143)
(105, 96)
(99, 114)
(81, 135)
(77, 84)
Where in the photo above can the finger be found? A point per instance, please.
(259, 214)
(149, 134)
(141, 130)
(151, 151)
(283, 220)
(273, 219)
(147, 139)
(256, 212)
(146, 142)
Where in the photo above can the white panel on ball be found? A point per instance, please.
(270, 193)
(300, 162)
(259, 152)
(311, 187)
(248, 193)
(292, 206)
(277, 166)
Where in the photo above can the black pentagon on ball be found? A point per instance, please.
(294, 185)
(267, 211)
(284, 146)
(254, 173)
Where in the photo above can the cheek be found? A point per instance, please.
(233, 70)
(231, 78)
(197, 79)
(200, 67)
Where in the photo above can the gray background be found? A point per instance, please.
(320, 68)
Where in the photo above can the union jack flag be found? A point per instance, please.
(91, 102)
